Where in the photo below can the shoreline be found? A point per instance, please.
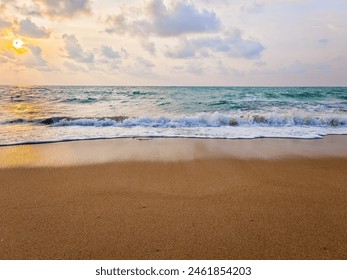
(167, 137)
(175, 199)
(98, 151)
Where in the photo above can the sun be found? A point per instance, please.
(17, 44)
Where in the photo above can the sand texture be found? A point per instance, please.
(208, 208)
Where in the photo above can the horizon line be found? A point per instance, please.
(221, 86)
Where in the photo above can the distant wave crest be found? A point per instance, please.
(198, 120)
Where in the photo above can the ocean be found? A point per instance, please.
(60, 113)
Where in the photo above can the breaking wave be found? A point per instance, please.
(198, 120)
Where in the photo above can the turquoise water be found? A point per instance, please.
(40, 114)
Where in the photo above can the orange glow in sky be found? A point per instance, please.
(18, 46)
(173, 42)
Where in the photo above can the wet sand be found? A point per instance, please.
(175, 199)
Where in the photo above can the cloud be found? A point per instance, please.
(150, 47)
(3, 6)
(111, 58)
(29, 10)
(108, 52)
(333, 27)
(3, 59)
(191, 68)
(74, 50)
(64, 8)
(8, 55)
(185, 50)
(29, 29)
(74, 67)
(145, 63)
(323, 41)
(33, 59)
(103, 58)
(252, 8)
(227, 70)
(260, 63)
(5, 19)
(234, 45)
(4, 23)
(297, 67)
(165, 20)
(141, 67)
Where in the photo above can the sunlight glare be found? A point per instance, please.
(18, 44)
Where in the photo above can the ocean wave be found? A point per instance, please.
(198, 120)
(58, 121)
(81, 100)
(138, 92)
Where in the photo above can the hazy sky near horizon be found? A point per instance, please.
(152, 42)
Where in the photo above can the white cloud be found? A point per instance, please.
(64, 8)
(165, 20)
(74, 50)
(29, 29)
(234, 45)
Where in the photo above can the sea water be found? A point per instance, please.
(59, 113)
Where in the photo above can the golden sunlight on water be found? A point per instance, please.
(19, 114)
(25, 110)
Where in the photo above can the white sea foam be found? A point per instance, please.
(215, 120)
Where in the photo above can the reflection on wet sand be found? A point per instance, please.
(20, 155)
(29, 156)
(167, 150)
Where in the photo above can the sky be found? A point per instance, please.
(167, 43)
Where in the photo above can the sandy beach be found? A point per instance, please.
(175, 199)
